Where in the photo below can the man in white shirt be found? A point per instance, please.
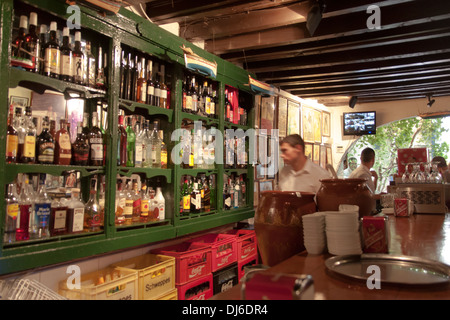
(364, 172)
(299, 173)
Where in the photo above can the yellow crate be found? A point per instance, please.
(156, 273)
(106, 284)
(172, 295)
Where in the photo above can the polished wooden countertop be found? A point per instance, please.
(421, 235)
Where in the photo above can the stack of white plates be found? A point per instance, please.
(314, 232)
(342, 232)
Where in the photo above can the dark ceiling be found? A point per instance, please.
(407, 57)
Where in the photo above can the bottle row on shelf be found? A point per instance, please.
(197, 99)
(138, 202)
(41, 51)
(51, 146)
(234, 191)
(139, 82)
(140, 146)
(43, 212)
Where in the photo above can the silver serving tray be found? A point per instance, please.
(396, 269)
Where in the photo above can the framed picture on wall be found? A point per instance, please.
(19, 101)
(267, 113)
(329, 156)
(265, 185)
(282, 116)
(323, 156)
(293, 118)
(317, 126)
(316, 153)
(308, 124)
(309, 150)
(326, 123)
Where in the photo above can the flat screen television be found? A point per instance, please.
(360, 123)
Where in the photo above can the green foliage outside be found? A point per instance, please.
(407, 133)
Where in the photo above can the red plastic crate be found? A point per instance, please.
(192, 260)
(199, 289)
(250, 261)
(246, 243)
(223, 248)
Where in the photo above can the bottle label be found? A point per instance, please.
(66, 65)
(77, 71)
(145, 207)
(144, 94)
(46, 152)
(52, 60)
(12, 144)
(163, 94)
(212, 108)
(60, 219)
(64, 142)
(128, 210)
(78, 220)
(96, 148)
(29, 149)
(186, 202)
(43, 214)
(157, 92)
(208, 105)
(12, 210)
(163, 158)
(188, 102)
(138, 155)
(161, 211)
(150, 90)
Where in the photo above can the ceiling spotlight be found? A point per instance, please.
(430, 101)
(352, 101)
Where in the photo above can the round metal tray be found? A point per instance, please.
(396, 269)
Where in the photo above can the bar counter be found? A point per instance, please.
(421, 235)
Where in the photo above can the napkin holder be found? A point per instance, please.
(427, 197)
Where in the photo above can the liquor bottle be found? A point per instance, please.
(202, 193)
(151, 214)
(195, 198)
(131, 143)
(43, 37)
(145, 136)
(102, 201)
(138, 153)
(163, 88)
(90, 66)
(157, 85)
(12, 212)
(185, 207)
(226, 196)
(26, 209)
(32, 45)
(58, 216)
(63, 148)
(45, 144)
(184, 91)
(96, 142)
(206, 99)
(42, 210)
(133, 78)
(237, 194)
(120, 203)
(52, 59)
(80, 148)
(145, 203)
(212, 188)
(142, 83)
(66, 71)
(164, 153)
(128, 211)
(92, 213)
(12, 139)
(78, 60)
(124, 76)
(159, 205)
(228, 108)
(136, 202)
(17, 54)
(100, 81)
(75, 212)
(121, 143)
(27, 143)
(192, 151)
(156, 146)
(206, 205)
(150, 84)
(243, 199)
(194, 96)
(188, 107)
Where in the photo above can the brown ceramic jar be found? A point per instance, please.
(335, 192)
(278, 224)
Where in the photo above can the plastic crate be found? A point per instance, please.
(156, 273)
(106, 284)
(192, 261)
(250, 261)
(223, 248)
(226, 278)
(172, 295)
(199, 289)
(246, 243)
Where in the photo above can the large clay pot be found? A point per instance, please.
(278, 224)
(334, 192)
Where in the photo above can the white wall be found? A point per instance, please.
(386, 112)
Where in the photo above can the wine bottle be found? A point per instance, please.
(150, 84)
(142, 83)
(45, 144)
(131, 143)
(32, 45)
(121, 143)
(17, 53)
(80, 148)
(163, 89)
(63, 148)
(52, 54)
(66, 72)
(12, 139)
(96, 142)
(28, 152)
(78, 60)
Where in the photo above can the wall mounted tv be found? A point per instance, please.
(360, 123)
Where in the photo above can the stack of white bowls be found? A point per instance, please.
(342, 232)
(314, 232)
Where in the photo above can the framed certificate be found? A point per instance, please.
(326, 124)
(282, 116)
(317, 126)
(308, 124)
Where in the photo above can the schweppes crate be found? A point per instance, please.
(156, 274)
(106, 284)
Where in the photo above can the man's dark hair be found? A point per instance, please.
(441, 161)
(293, 140)
(367, 155)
